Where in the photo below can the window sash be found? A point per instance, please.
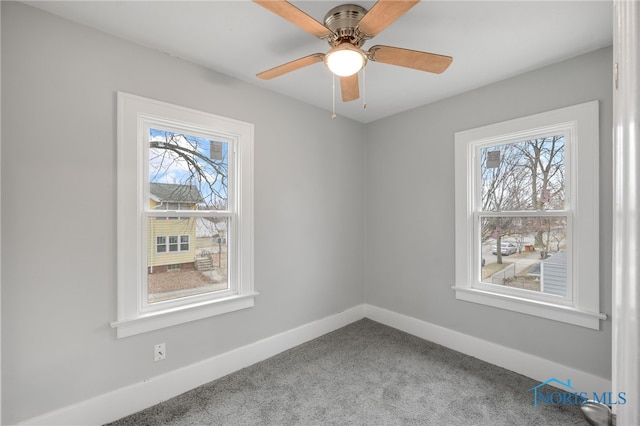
(477, 282)
(161, 211)
(232, 268)
(567, 130)
(164, 124)
(184, 243)
(173, 243)
(161, 244)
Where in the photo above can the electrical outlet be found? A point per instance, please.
(159, 352)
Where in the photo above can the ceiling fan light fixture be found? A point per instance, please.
(345, 60)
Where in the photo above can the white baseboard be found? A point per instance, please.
(520, 362)
(131, 399)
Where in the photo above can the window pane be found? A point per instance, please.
(187, 172)
(184, 243)
(525, 252)
(527, 175)
(173, 243)
(161, 246)
(177, 267)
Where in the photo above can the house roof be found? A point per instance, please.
(175, 193)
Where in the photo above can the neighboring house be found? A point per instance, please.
(553, 279)
(172, 240)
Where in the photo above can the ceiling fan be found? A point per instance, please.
(346, 28)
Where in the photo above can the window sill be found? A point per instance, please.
(566, 314)
(183, 314)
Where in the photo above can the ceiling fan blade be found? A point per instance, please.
(383, 14)
(349, 88)
(297, 17)
(291, 66)
(422, 61)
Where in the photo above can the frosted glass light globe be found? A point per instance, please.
(344, 60)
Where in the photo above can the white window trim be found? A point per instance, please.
(133, 113)
(583, 306)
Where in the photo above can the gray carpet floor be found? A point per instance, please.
(363, 374)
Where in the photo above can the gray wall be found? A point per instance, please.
(410, 210)
(59, 213)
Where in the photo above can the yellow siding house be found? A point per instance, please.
(171, 239)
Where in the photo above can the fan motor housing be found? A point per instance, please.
(343, 20)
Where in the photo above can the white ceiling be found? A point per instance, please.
(489, 41)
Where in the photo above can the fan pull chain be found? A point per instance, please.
(333, 80)
(364, 89)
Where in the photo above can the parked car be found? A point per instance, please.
(505, 248)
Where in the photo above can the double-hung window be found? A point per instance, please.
(527, 215)
(185, 215)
